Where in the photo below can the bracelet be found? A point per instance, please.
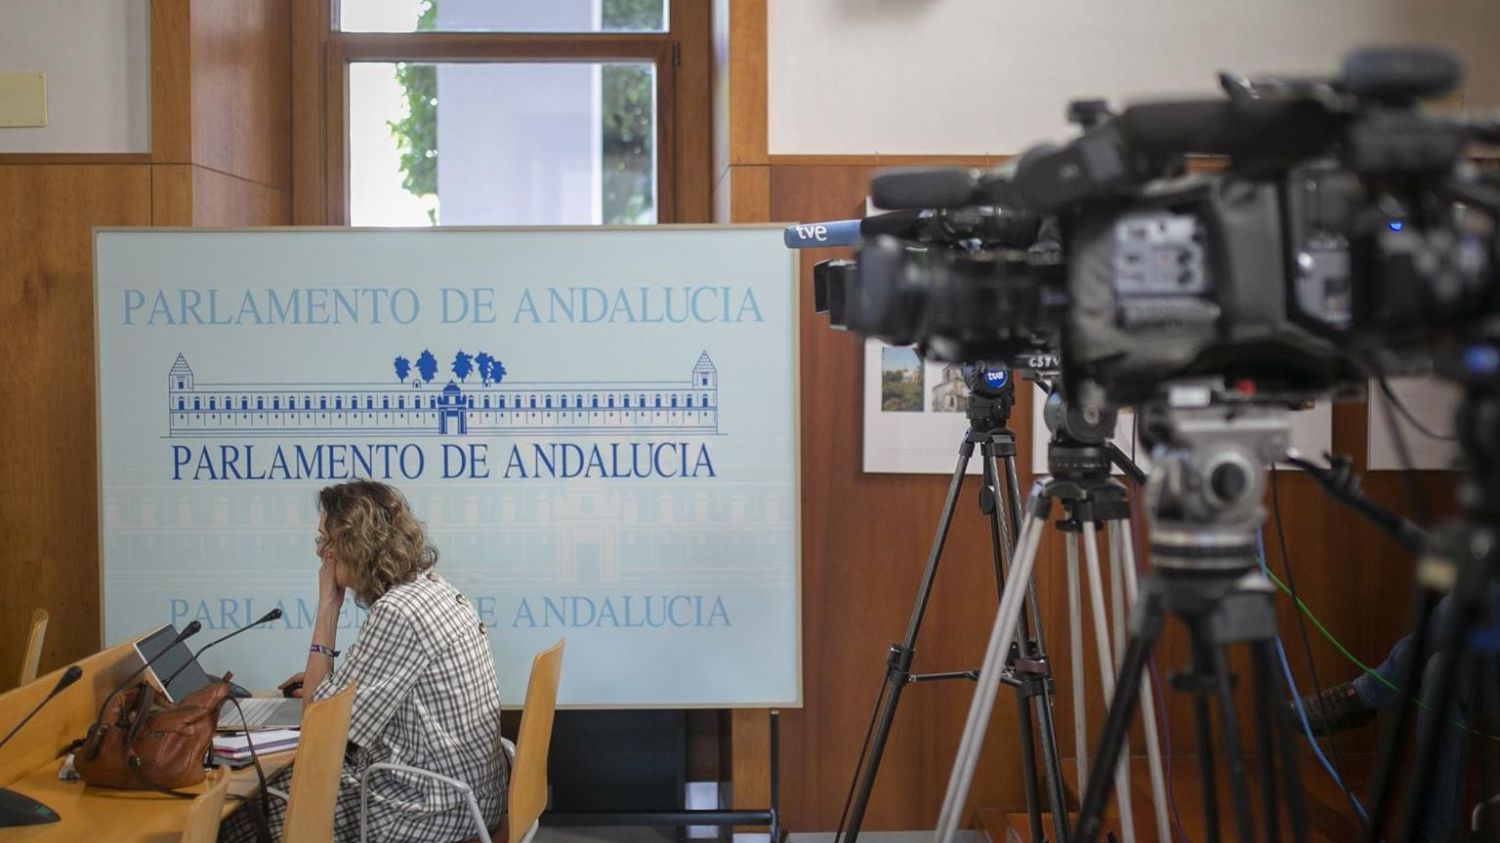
(327, 651)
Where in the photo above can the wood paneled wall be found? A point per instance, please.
(220, 155)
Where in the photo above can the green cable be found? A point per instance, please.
(1337, 645)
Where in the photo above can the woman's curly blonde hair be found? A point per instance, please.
(372, 530)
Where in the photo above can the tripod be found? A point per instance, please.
(1204, 502)
(1468, 561)
(1079, 459)
(991, 397)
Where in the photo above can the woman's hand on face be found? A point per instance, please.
(330, 593)
(292, 687)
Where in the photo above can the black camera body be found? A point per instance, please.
(1342, 221)
(1194, 278)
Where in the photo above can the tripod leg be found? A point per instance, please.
(1394, 733)
(1440, 697)
(1145, 628)
(1148, 697)
(1117, 605)
(1001, 636)
(1000, 547)
(1487, 690)
(898, 665)
(1296, 808)
(1013, 506)
(994, 508)
(1265, 739)
(1107, 676)
(1203, 725)
(1028, 764)
(1075, 661)
(1057, 798)
(1234, 757)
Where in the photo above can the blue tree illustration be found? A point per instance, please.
(427, 366)
(463, 364)
(482, 362)
(403, 368)
(497, 371)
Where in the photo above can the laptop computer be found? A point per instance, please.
(178, 663)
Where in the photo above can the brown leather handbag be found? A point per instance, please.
(145, 743)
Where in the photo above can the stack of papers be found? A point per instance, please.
(234, 748)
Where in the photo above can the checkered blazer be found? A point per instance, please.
(426, 696)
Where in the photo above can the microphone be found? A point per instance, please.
(1401, 74)
(989, 225)
(18, 809)
(189, 631)
(836, 233)
(924, 187)
(272, 615)
(1291, 127)
(71, 675)
(822, 235)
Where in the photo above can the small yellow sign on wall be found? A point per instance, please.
(23, 100)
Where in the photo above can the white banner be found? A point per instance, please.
(597, 425)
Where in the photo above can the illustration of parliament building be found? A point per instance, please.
(424, 408)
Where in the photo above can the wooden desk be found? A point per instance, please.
(128, 816)
(29, 763)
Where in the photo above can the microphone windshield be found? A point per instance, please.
(274, 614)
(915, 188)
(191, 629)
(71, 675)
(1390, 73)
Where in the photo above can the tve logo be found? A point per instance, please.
(817, 231)
(813, 235)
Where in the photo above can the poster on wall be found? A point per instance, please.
(914, 418)
(598, 427)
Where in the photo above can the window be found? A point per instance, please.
(540, 112)
(511, 16)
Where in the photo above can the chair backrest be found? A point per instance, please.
(31, 659)
(203, 817)
(528, 776)
(315, 772)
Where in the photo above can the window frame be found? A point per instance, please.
(322, 55)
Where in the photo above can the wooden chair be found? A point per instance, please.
(527, 797)
(203, 817)
(31, 659)
(314, 789)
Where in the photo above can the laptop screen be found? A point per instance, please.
(191, 678)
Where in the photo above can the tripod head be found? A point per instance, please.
(992, 395)
(1204, 495)
(1080, 433)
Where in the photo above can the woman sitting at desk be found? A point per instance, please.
(426, 694)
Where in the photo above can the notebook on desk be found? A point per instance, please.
(176, 661)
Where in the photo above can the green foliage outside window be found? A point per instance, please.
(628, 114)
(416, 133)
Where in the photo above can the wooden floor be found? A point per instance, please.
(1330, 817)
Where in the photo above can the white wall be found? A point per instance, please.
(96, 55)
(994, 76)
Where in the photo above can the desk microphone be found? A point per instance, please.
(187, 632)
(17, 808)
(71, 675)
(272, 615)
